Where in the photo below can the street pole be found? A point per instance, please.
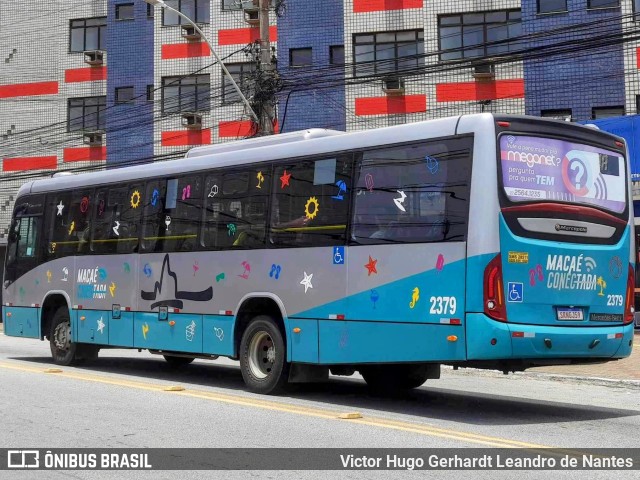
(266, 113)
(161, 4)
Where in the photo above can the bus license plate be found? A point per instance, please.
(570, 314)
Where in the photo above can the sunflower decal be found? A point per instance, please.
(135, 199)
(311, 208)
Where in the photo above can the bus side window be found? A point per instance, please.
(311, 202)
(107, 225)
(60, 217)
(182, 208)
(413, 193)
(153, 218)
(235, 209)
(22, 249)
(211, 212)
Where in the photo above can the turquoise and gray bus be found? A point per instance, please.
(484, 241)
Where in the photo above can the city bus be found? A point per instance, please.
(484, 241)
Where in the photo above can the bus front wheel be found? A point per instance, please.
(263, 360)
(387, 378)
(63, 350)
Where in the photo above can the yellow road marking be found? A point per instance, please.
(398, 425)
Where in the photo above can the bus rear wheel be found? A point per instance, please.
(263, 359)
(389, 378)
(63, 350)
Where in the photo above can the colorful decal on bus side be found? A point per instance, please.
(285, 179)
(179, 295)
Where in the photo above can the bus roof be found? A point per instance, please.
(258, 142)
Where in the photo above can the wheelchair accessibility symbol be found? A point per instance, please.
(515, 292)
(338, 256)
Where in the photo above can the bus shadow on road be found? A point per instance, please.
(428, 401)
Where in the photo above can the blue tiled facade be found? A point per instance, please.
(579, 81)
(130, 64)
(318, 25)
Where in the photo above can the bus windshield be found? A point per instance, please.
(541, 168)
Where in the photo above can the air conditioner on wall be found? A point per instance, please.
(94, 57)
(189, 33)
(192, 120)
(393, 85)
(251, 10)
(484, 71)
(93, 139)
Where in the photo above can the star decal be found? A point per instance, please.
(285, 179)
(371, 266)
(306, 281)
(100, 325)
(60, 207)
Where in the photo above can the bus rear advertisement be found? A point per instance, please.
(483, 241)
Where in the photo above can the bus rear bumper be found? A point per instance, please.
(488, 339)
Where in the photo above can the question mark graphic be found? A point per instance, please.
(577, 165)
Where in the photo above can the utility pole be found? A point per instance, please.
(268, 71)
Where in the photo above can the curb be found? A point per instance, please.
(602, 381)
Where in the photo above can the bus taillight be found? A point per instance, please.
(494, 305)
(629, 309)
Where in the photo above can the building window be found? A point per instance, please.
(603, 3)
(196, 10)
(636, 10)
(124, 11)
(242, 74)
(386, 52)
(300, 57)
(86, 114)
(606, 112)
(150, 11)
(557, 114)
(124, 94)
(471, 35)
(88, 34)
(552, 6)
(231, 4)
(336, 55)
(185, 94)
(150, 93)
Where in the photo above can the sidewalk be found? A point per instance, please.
(626, 369)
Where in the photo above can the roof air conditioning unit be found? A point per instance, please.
(94, 57)
(93, 139)
(393, 85)
(484, 71)
(192, 121)
(251, 11)
(189, 33)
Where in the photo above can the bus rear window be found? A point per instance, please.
(548, 169)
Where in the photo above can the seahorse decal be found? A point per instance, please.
(415, 297)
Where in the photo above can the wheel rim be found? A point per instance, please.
(262, 355)
(62, 337)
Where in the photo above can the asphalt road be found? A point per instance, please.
(120, 401)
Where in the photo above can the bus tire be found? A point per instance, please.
(263, 356)
(175, 362)
(390, 378)
(63, 350)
